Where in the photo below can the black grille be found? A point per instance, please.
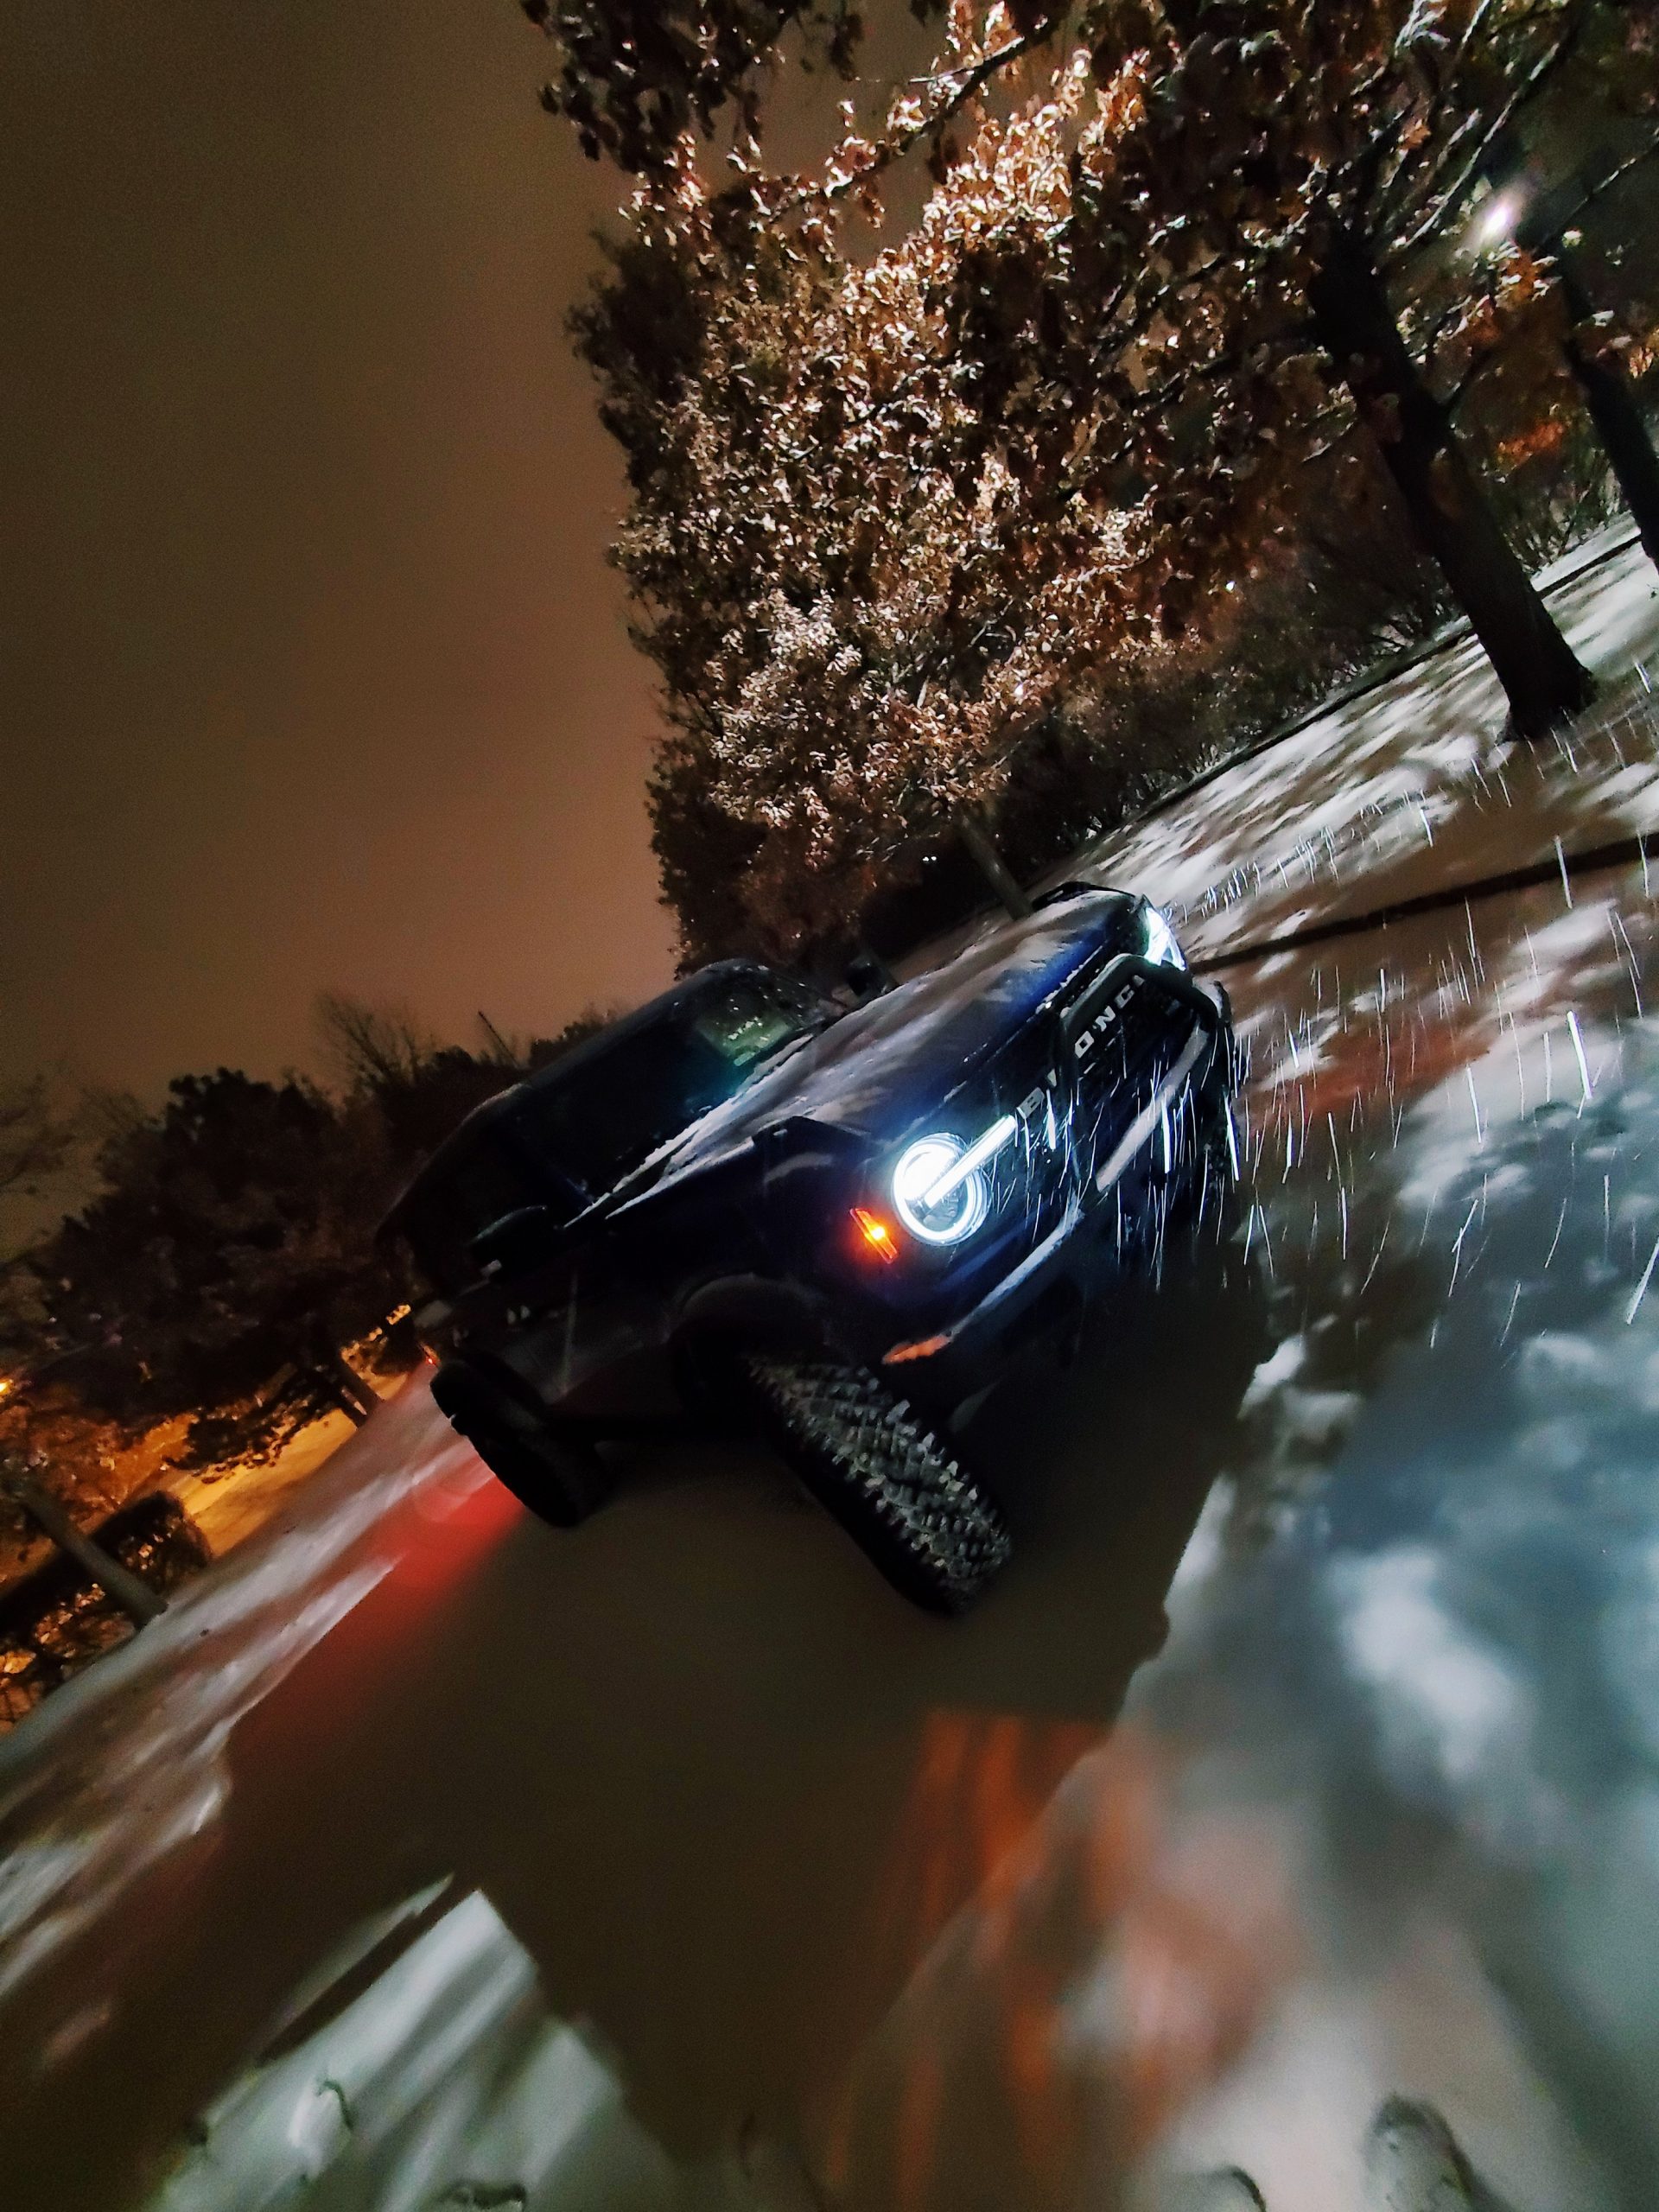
(1124, 1035)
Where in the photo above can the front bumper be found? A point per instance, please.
(1130, 1189)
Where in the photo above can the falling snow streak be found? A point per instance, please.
(1642, 1286)
(1486, 1000)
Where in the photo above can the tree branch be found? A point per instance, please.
(974, 76)
(1451, 203)
(1644, 153)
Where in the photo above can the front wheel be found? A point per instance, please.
(560, 1478)
(923, 1523)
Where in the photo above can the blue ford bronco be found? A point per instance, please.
(838, 1224)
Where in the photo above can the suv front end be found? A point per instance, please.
(1058, 1162)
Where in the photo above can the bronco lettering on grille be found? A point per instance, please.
(1084, 1043)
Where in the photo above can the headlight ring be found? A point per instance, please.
(940, 1189)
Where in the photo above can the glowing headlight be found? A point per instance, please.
(940, 1187)
(1160, 942)
(917, 1182)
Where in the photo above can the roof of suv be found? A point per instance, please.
(506, 1105)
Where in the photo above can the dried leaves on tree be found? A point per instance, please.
(899, 509)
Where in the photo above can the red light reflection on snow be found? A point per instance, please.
(982, 1782)
(1093, 1961)
(421, 1554)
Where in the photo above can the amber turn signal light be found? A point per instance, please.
(876, 1234)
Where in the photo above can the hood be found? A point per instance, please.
(877, 1069)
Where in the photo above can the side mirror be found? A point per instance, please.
(513, 1237)
(868, 976)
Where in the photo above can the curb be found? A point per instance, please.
(1564, 868)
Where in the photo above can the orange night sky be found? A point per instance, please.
(313, 675)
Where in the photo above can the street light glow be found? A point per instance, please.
(1497, 220)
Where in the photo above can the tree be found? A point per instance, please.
(911, 633)
(38, 1133)
(1538, 374)
(201, 1303)
(409, 1088)
(222, 1266)
(90, 1464)
(229, 1257)
(1277, 167)
(413, 1088)
(895, 517)
(1593, 348)
(1597, 342)
(636, 75)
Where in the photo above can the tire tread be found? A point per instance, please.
(934, 1532)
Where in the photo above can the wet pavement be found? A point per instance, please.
(1309, 1753)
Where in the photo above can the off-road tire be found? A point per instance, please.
(560, 1478)
(869, 1461)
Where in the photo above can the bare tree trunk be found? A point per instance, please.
(354, 1397)
(1612, 406)
(346, 1400)
(982, 849)
(136, 1598)
(1448, 510)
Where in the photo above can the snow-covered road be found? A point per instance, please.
(1309, 1753)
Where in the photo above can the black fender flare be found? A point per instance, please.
(499, 1375)
(753, 1310)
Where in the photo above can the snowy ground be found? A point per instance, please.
(1409, 788)
(229, 1502)
(1309, 1754)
